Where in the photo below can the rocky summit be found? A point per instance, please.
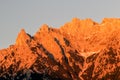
(78, 50)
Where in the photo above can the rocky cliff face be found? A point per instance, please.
(78, 50)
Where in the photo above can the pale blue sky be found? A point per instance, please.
(31, 14)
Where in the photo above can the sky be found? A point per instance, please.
(31, 14)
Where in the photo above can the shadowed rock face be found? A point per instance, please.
(78, 50)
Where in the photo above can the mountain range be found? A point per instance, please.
(78, 50)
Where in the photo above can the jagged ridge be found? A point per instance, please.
(78, 50)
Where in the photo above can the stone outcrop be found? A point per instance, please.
(78, 50)
(23, 38)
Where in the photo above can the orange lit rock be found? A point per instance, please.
(23, 38)
(78, 50)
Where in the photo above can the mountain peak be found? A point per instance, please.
(22, 38)
(110, 20)
(44, 28)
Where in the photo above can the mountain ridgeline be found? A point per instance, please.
(78, 50)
